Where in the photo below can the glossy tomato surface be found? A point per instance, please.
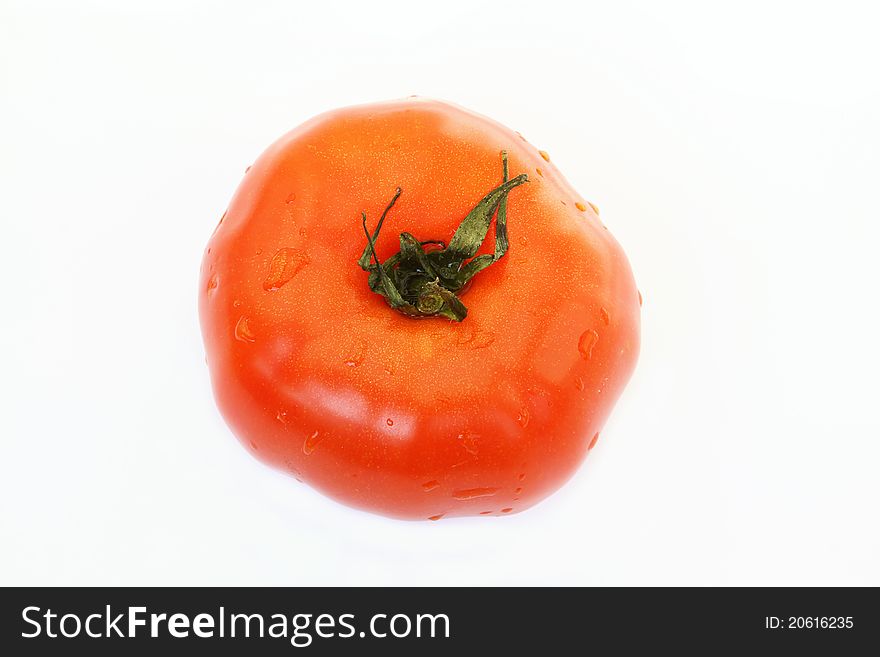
(414, 418)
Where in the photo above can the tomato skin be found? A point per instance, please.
(409, 418)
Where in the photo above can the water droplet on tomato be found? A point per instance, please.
(596, 210)
(518, 490)
(473, 493)
(212, 284)
(281, 416)
(485, 513)
(219, 223)
(579, 383)
(356, 353)
(522, 476)
(603, 312)
(236, 303)
(248, 169)
(539, 172)
(285, 264)
(311, 443)
(640, 298)
(580, 206)
(389, 422)
(259, 251)
(482, 339)
(254, 446)
(243, 331)
(523, 417)
(545, 155)
(430, 485)
(588, 340)
(593, 441)
(463, 335)
(290, 198)
(437, 517)
(507, 510)
(469, 441)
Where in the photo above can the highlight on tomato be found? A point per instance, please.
(407, 307)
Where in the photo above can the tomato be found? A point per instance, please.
(405, 389)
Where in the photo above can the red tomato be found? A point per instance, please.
(406, 389)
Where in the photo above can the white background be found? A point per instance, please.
(733, 151)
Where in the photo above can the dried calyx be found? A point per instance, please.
(425, 282)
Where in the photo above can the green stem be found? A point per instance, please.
(422, 283)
